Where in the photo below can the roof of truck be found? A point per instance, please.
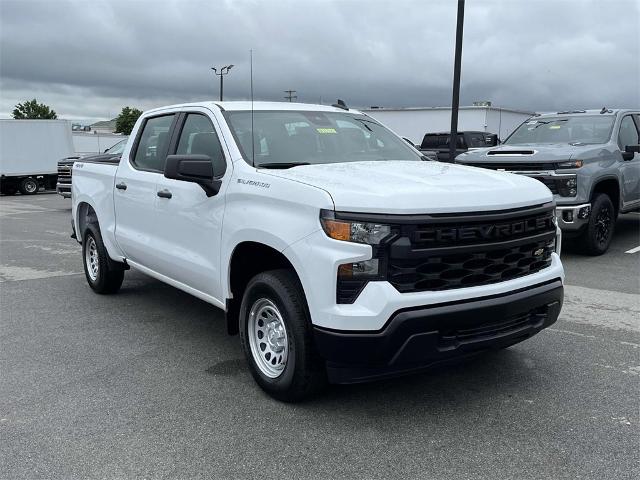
(577, 113)
(257, 106)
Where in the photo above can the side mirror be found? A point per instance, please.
(492, 140)
(630, 151)
(193, 168)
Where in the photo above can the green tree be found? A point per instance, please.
(33, 110)
(126, 120)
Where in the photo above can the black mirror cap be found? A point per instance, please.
(193, 168)
(492, 140)
(632, 148)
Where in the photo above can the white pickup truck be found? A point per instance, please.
(337, 252)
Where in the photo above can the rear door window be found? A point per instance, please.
(153, 144)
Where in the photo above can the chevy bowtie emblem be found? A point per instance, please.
(538, 252)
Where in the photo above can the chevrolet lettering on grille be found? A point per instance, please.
(499, 231)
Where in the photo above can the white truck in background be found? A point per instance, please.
(29, 154)
(337, 252)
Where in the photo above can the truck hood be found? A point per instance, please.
(405, 187)
(527, 153)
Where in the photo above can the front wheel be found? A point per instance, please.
(599, 231)
(276, 336)
(101, 275)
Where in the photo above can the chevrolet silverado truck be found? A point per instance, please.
(337, 252)
(589, 159)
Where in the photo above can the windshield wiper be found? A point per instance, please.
(282, 164)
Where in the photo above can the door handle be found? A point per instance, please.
(121, 186)
(164, 193)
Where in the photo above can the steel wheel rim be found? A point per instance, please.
(91, 258)
(268, 338)
(603, 225)
(30, 186)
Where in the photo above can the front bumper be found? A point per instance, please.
(572, 218)
(416, 338)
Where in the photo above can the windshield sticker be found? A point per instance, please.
(326, 130)
(554, 127)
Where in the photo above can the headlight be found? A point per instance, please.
(567, 186)
(353, 231)
(570, 164)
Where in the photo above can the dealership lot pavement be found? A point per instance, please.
(147, 384)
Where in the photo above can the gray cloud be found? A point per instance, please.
(88, 59)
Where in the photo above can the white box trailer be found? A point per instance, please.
(29, 153)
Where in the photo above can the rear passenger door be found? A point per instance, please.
(135, 190)
(189, 223)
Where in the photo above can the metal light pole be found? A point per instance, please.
(223, 71)
(455, 101)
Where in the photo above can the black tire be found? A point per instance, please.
(28, 186)
(106, 278)
(304, 373)
(598, 233)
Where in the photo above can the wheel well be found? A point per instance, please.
(610, 187)
(86, 215)
(248, 260)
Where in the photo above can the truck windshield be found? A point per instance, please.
(288, 138)
(118, 148)
(588, 129)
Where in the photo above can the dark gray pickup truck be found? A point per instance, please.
(590, 161)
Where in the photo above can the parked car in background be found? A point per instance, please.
(65, 167)
(337, 252)
(436, 145)
(590, 161)
(29, 150)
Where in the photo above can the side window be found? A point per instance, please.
(198, 137)
(477, 140)
(628, 134)
(151, 151)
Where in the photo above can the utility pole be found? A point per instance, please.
(455, 101)
(223, 71)
(290, 95)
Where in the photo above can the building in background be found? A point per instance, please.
(414, 122)
(105, 126)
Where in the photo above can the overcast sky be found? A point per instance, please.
(88, 59)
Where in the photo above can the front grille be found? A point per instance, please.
(442, 252)
(470, 250)
(64, 174)
(479, 267)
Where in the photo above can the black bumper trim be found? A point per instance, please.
(417, 338)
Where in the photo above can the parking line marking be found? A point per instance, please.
(633, 250)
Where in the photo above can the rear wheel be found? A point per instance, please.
(28, 186)
(102, 276)
(276, 336)
(599, 231)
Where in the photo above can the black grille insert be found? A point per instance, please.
(471, 250)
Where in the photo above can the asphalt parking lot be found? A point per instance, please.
(146, 383)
